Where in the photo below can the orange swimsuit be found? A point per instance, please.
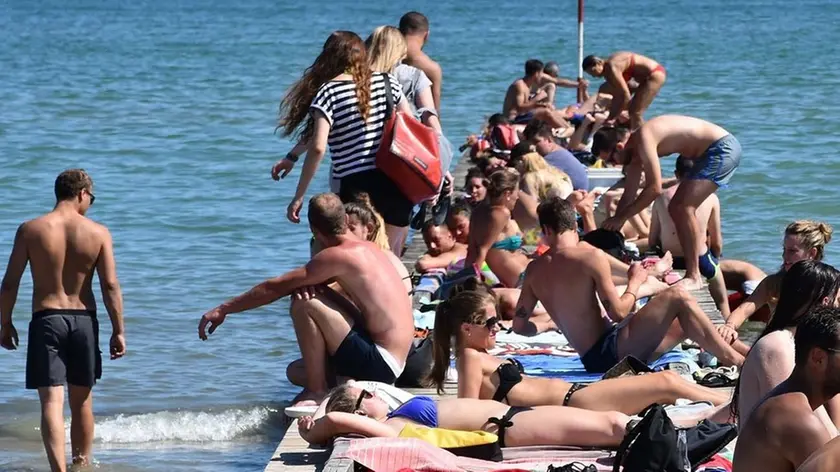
(628, 72)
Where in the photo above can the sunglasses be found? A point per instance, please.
(362, 396)
(489, 323)
(92, 196)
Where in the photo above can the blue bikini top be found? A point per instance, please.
(510, 243)
(420, 409)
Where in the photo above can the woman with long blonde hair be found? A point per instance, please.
(340, 104)
(542, 180)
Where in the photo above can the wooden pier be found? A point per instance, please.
(294, 454)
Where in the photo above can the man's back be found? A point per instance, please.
(779, 435)
(63, 249)
(668, 232)
(376, 287)
(561, 281)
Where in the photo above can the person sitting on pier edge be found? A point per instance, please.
(366, 336)
(526, 97)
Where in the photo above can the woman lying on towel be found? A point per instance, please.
(470, 318)
(353, 410)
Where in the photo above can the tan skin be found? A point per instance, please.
(443, 250)
(478, 378)
(825, 459)
(476, 190)
(639, 152)
(566, 280)
(544, 425)
(491, 221)
(649, 83)
(518, 101)
(793, 252)
(784, 429)
(419, 59)
(506, 300)
(372, 284)
(459, 225)
(63, 249)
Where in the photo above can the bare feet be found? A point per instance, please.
(651, 287)
(690, 284)
(307, 398)
(662, 267)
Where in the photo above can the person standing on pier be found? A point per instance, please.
(415, 28)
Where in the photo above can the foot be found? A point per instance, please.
(663, 266)
(690, 284)
(307, 398)
(652, 286)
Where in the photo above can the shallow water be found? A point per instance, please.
(171, 106)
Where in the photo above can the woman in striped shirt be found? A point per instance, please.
(343, 104)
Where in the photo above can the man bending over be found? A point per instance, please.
(783, 430)
(570, 278)
(716, 154)
(365, 337)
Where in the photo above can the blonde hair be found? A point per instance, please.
(386, 48)
(544, 179)
(362, 208)
(811, 235)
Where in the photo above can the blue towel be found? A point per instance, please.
(571, 369)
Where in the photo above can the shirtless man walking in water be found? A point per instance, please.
(365, 337)
(716, 155)
(63, 249)
(572, 276)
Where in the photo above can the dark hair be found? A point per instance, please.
(501, 181)
(458, 208)
(70, 184)
(413, 22)
(343, 51)
(517, 163)
(605, 139)
(552, 68)
(537, 128)
(556, 214)
(533, 66)
(462, 307)
(524, 147)
(819, 328)
(327, 215)
(589, 61)
(476, 173)
(362, 208)
(497, 119)
(683, 166)
(803, 288)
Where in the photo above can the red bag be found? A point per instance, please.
(409, 153)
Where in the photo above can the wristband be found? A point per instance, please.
(292, 157)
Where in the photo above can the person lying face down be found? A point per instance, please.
(353, 410)
(784, 429)
(442, 249)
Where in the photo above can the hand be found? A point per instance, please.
(9, 337)
(728, 333)
(637, 272)
(447, 184)
(215, 318)
(306, 293)
(613, 223)
(305, 424)
(589, 118)
(586, 206)
(583, 83)
(609, 123)
(283, 165)
(117, 346)
(293, 210)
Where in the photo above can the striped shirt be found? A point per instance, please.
(353, 143)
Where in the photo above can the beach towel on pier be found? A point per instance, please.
(571, 368)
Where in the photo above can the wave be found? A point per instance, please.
(188, 426)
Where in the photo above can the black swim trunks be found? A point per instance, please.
(384, 194)
(602, 356)
(359, 358)
(63, 348)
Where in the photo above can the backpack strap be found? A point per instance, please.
(389, 96)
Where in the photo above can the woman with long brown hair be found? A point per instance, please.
(339, 103)
(470, 319)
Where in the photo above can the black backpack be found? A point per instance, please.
(655, 445)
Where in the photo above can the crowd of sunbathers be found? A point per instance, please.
(602, 270)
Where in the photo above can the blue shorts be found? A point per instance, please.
(603, 355)
(719, 162)
(523, 118)
(358, 358)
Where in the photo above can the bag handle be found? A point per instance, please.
(389, 97)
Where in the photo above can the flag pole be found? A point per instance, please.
(580, 48)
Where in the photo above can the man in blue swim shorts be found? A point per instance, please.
(715, 153)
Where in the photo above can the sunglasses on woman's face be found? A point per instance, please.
(490, 323)
(362, 396)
